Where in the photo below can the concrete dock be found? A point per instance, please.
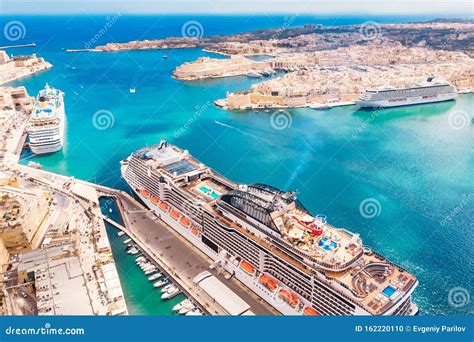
(179, 258)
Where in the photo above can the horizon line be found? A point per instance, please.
(361, 14)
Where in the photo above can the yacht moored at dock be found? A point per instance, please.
(427, 92)
(46, 125)
(267, 239)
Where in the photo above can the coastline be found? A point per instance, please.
(98, 261)
(24, 72)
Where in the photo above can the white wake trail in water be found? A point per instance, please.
(237, 129)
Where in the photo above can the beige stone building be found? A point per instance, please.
(206, 67)
(22, 218)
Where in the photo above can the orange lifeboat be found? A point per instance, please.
(164, 207)
(195, 231)
(288, 297)
(268, 282)
(154, 199)
(247, 267)
(145, 193)
(174, 214)
(185, 222)
(308, 311)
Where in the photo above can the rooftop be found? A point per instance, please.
(59, 281)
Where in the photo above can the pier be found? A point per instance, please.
(81, 50)
(176, 257)
(17, 46)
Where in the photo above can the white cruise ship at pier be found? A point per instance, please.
(46, 126)
(428, 92)
(267, 239)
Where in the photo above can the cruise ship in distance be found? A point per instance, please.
(428, 92)
(267, 239)
(46, 126)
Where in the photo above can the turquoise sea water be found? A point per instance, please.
(410, 160)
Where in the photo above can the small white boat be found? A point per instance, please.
(127, 241)
(34, 165)
(121, 233)
(133, 251)
(155, 276)
(164, 289)
(140, 259)
(172, 291)
(150, 271)
(181, 304)
(194, 312)
(253, 74)
(186, 309)
(110, 210)
(161, 282)
(187, 306)
(132, 90)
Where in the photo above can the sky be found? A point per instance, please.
(367, 7)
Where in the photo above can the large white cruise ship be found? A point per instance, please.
(427, 92)
(46, 125)
(264, 237)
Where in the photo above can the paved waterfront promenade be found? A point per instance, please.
(178, 257)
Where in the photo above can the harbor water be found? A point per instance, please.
(401, 177)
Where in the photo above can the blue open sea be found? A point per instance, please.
(409, 162)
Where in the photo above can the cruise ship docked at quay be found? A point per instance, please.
(46, 125)
(428, 92)
(297, 262)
